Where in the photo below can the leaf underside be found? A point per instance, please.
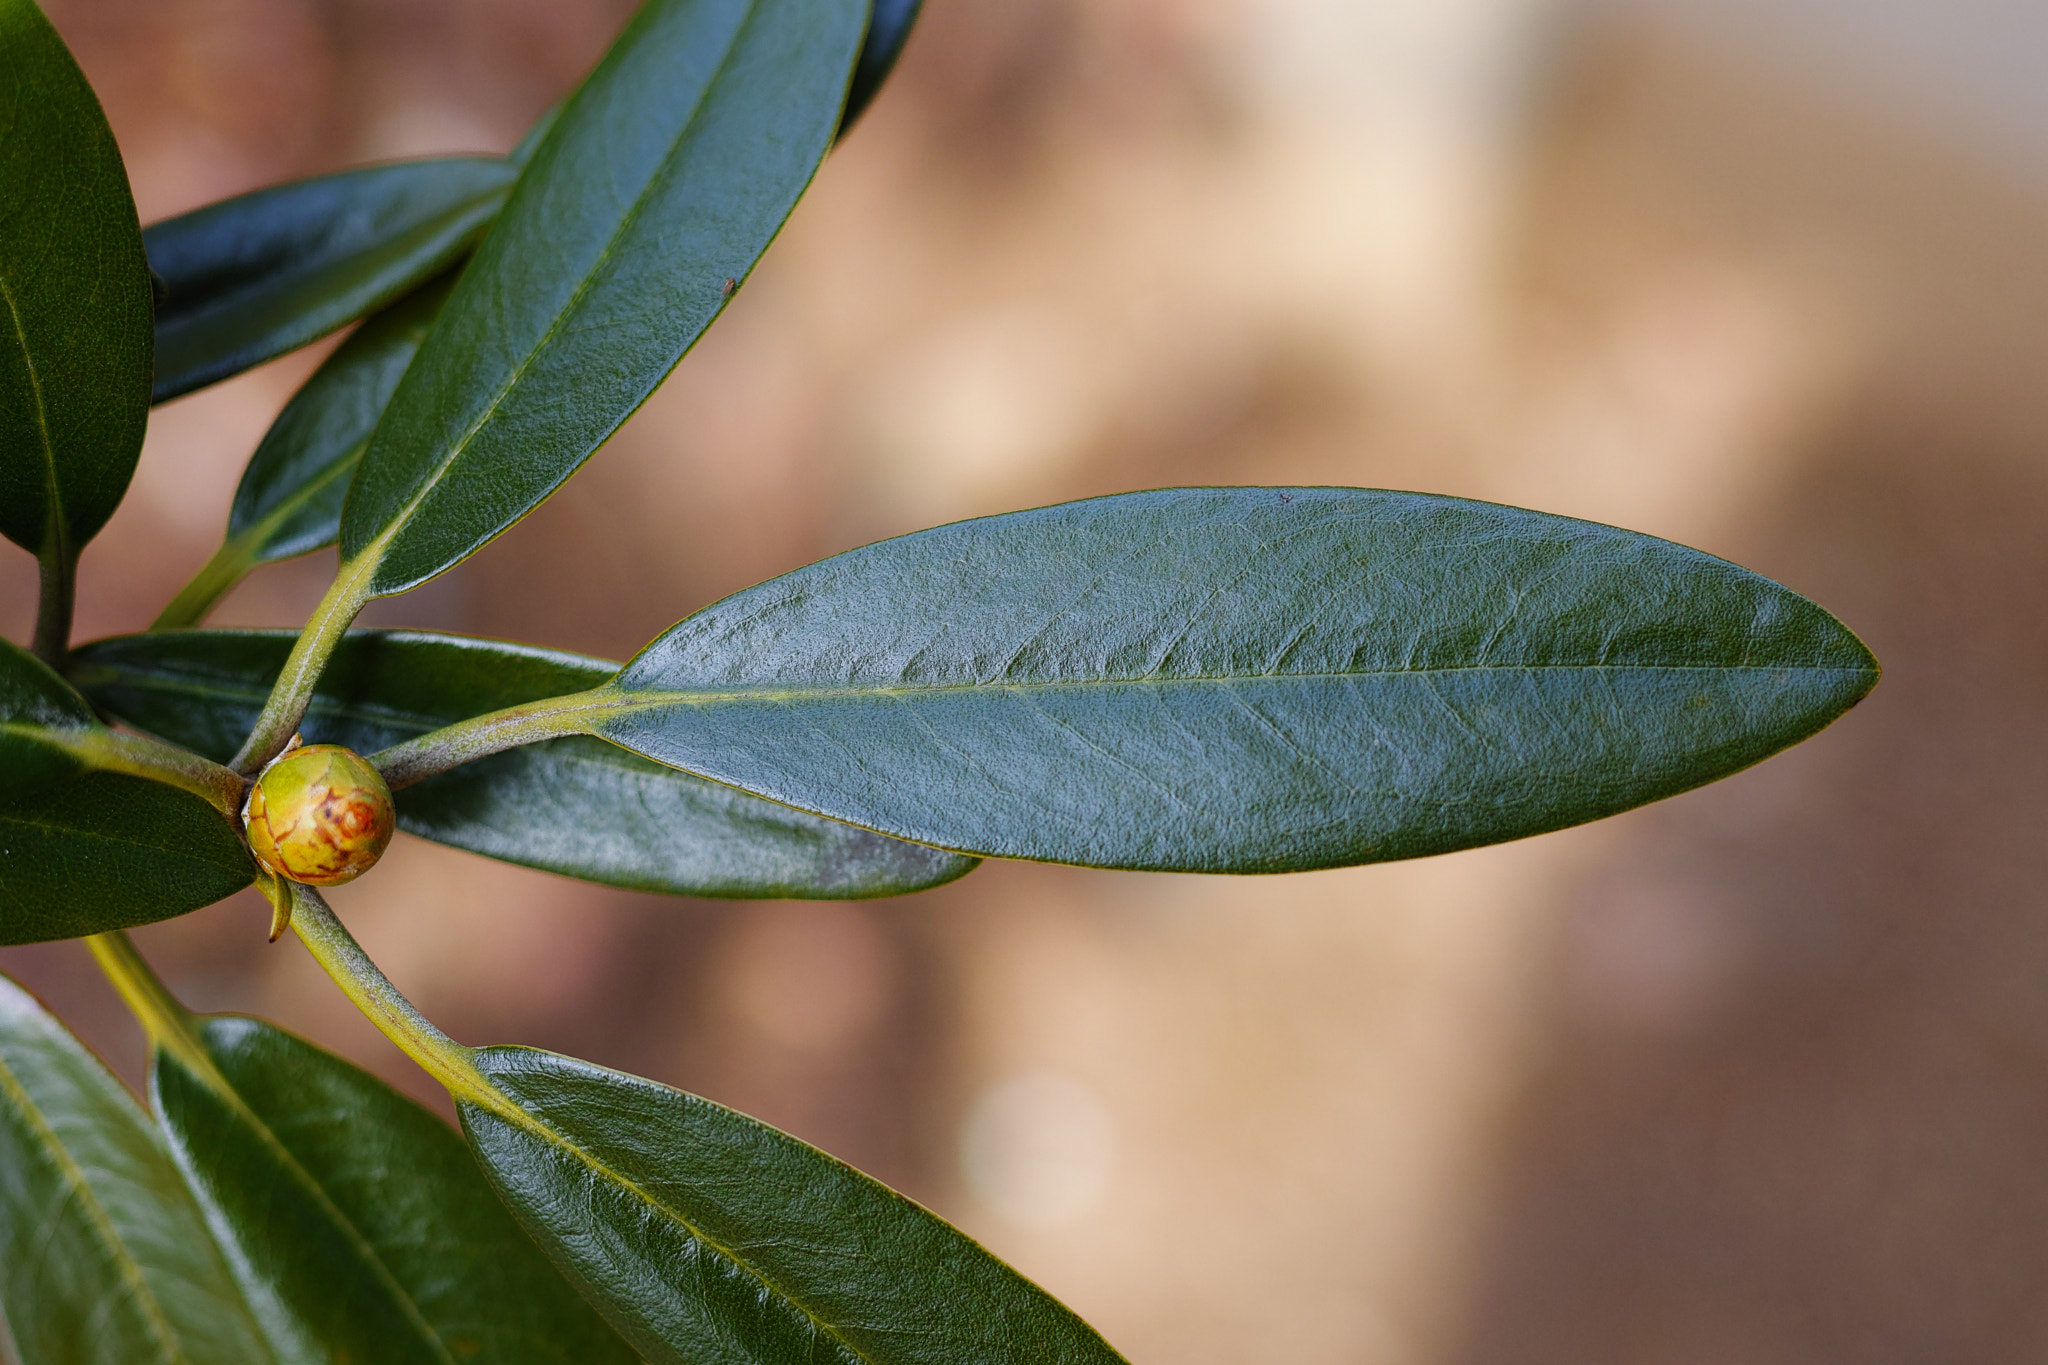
(1239, 679)
(577, 806)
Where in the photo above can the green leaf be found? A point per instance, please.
(356, 1219)
(575, 805)
(663, 181)
(889, 28)
(74, 299)
(1237, 679)
(289, 500)
(104, 1257)
(252, 277)
(91, 837)
(709, 1238)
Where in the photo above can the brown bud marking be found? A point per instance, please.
(319, 815)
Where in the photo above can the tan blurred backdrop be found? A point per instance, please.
(1758, 1075)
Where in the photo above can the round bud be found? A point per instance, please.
(320, 815)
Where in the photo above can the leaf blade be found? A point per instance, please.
(122, 1269)
(255, 276)
(801, 1259)
(534, 365)
(74, 299)
(1239, 680)
(576, 806)
(84, 849)
(356, 1218)
(290, 496)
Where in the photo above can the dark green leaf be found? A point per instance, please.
(888, 29)
(356, 1216)
(663, 181)
(74, 299)
(1238, 679)
(289, 501)
(264, 273)
(574, 805)
(85, 847)
(104, 1258)
(712, 1239)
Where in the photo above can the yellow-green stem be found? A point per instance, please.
(288, 700)
(168, 1023)
(439, 750)
(440, 1056)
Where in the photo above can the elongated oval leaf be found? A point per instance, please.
(574, 805)
(289, 500)
(356, 1220)
(1239, 679)
(252, 277)
(889, 25)
(709, 1238)
(663, 181)
(74, 299)
(104, 1257)
(84, 849)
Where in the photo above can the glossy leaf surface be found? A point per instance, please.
(104, 1257)
(252, 277)
(1239, 680)
(712, 1239)
(575, 805)
(357, 1220)
(889, 28)
(74, 299)
(289, 500)
(84, 849)
(662, 182)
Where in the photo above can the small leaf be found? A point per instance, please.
(889, 28)
(252, 277)
(665, 178)
(708, 1238)
(104, 1257)
(289, 500)
(575, 806)
(74, 299)
(354, 1218)
(86, 843)
(1237, 679)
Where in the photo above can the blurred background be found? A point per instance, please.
(1758, 1074)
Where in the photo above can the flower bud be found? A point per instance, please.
(320, 815)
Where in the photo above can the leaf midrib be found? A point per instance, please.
(381, 544)
(644, 699)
